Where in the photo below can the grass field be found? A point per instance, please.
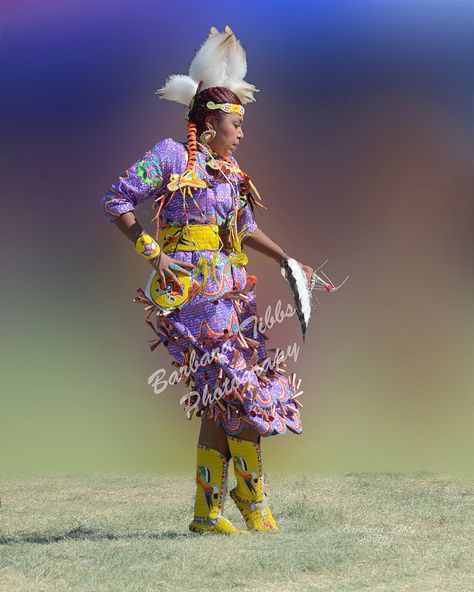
(356, 531)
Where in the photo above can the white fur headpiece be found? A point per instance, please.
(220, 61)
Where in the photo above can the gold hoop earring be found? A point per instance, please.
(207, 136)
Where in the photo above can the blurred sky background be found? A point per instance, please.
(360, 143)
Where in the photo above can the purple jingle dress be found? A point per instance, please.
(214, 319)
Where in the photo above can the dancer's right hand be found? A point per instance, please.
(162, 264)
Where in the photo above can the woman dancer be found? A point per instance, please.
(199, 292)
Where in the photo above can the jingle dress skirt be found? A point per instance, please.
(214, 339)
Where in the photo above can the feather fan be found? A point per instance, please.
(293, 272)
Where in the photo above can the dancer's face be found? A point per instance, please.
(229, 133)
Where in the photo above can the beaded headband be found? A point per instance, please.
(227, 107)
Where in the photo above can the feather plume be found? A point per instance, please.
(244, 91)
(220, 61)
(179, 88)
(209, 62)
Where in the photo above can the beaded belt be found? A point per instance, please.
(195, 237)
(190, 237)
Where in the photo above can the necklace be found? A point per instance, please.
(207, 150)
(222, 167)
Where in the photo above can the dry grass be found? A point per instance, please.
(372, 532)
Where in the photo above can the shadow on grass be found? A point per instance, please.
(80, 533)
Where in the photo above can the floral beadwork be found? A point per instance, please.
(150, 172)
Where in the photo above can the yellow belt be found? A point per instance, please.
(193, 237)
(196, 237)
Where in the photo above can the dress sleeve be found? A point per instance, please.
(144, 179)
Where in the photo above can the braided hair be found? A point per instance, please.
(197, 117)
(199, 111)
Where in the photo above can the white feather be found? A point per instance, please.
(302, 289)
(244, 91)
(220, 61)
(179, 88)
(237, 59)
(207, 63)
